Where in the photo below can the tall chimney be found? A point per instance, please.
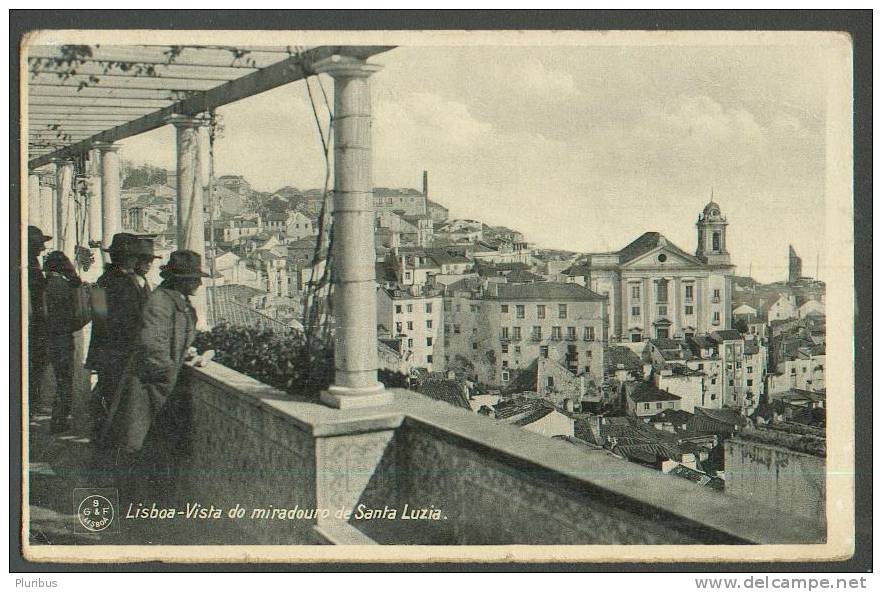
(425, 183)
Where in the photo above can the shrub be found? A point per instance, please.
(281, 360)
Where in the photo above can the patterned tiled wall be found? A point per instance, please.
(246, 454)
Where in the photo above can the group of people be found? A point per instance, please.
(140, 338)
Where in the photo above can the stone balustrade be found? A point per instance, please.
(485, 482)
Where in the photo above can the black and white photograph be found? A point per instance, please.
(437, 295)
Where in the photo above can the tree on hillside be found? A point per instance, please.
(143, 176)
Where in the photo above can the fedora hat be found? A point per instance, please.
(183, 264)
(142, 244)
(35, 235)
(120, 243)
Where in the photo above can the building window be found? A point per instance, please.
(428, 342)
(571, 333)
(505, 348)
(428, 308)
(588, 333)
(429, 324)
(517, 349)
(456, 329)
(555, 333)
(505, 376)
(410, 308)
(635, 311)
(410, 343)
(561, 311)
(543, 351)
(503, 309)
(398, 327)
(689, 310)
(516, 333)
(398, 308)
(505, 332)
(713, 381)
(636, 337)
(716, 317)
(646, 406)
(689, 291)
(658, 405)
(701, 366)
(716, 241)
(549, 381)
(410, 325)
(661, 291)
(738, 364)
(429, 359)
(635, 292)
(505, 363)
(407, 275)
(474, 345)
(540, 311)
(519, 310)
(537, 333)
(662, 311)
(749, 382)
(716, 294)
(731, 382)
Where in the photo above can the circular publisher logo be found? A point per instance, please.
(95, 513)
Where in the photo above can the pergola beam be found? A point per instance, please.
(37, 101)
(98, 92)
(278, 74)
(85, 73)
(131, 82)
(147, 54)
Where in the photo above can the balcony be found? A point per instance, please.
(418, 453)
(425, 453)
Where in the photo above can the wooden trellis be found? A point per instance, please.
(80, 95)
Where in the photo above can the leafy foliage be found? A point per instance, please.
(281, 360)
(144, 176)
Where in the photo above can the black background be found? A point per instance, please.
(858, 23)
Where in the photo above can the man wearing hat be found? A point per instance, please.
(146, 421)
(37, 344)
(116, 329)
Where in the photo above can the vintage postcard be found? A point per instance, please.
(437, 296)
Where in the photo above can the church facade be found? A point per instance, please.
(658, 290)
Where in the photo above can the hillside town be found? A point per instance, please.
(656, 354)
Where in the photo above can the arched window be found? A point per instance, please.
(716, 241)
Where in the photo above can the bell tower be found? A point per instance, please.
(712, 236)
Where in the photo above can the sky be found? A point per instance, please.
(579, 148)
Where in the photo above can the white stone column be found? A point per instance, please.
(47, 203)
(34, 213)
(65, 222)
(111, 202)
(355, 305)
(190, 213)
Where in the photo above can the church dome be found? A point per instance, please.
(712, 211)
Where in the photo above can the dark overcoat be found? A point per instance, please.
(151, 375)
(114, 337)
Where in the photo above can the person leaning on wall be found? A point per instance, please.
(146, 425)
(118, 323)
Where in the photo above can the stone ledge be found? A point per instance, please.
(641, 489)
